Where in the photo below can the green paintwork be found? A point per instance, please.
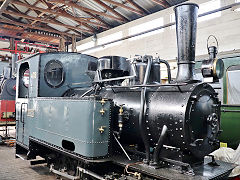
(230, 124)
(230, 121)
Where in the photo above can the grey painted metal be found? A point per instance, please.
(74, 64)
(76, 121)
(75, 67)
(56, 119)
(13, 63)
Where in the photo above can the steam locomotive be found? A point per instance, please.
(111, 118)
(7, 101)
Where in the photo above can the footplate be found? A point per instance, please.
(203, 171)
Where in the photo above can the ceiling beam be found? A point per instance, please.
(138, 7)
(17, 10)
(38, 13)
(125, 7)
(47, 21)
(65, 14)
(10, 17)
(59, 13)
(17, 33)
(34, 27)
(50, 6)
(81, 8)
(162, 3)
(111, 9)
(34, 4)
(4, 6)
(98, 19)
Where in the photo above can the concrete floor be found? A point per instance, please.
(18, 169)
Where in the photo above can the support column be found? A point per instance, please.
(74, 49)
(62, 44)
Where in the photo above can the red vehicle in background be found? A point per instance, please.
(7, 102)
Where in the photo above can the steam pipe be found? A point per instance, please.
(142, 111)
(168, 69)
(186, 28)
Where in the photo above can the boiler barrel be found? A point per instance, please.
(184, 110)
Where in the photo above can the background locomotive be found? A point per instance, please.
(7, 100)
(88, 117)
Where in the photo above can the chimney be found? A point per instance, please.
(186, 28)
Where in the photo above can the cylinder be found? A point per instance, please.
(186, 28)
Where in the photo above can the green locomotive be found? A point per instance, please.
(230, 110)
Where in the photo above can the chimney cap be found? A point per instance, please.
(186, 4)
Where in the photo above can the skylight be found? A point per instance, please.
(209, 6)
(146, 26)
(85, 46)
(109, 38)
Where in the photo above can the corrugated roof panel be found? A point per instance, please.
(67, 21)
(20, 8)
(149, 5)
(31, 1)
(16, 17)
(91, 4)
(41, 5)
(71, 32)
(127, 13)
(25, 21)
(32, 13)
(57, 27)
